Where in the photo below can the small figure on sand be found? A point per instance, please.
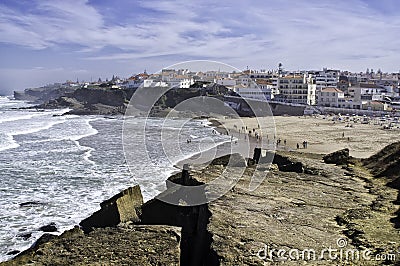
(305, 144)
(298, 146)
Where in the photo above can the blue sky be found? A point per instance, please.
(44, 41)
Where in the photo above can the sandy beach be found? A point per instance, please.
(322, 134)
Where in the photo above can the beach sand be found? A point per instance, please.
(322, 134)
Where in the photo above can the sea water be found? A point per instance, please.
(57, 169)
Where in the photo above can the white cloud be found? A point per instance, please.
(300, 34)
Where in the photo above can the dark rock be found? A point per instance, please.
(296, 167)
(312, 171)
(25, 236)
(233, 160)
(250, 162)
(13, 252)
(123, 207)
(30, 204)
(286, 164)
(49, 228)
(257, 154)
(338, 157)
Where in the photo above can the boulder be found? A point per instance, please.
(288, 164)
(296, 167)
(25, 236)
(338, 157)
(51, 227)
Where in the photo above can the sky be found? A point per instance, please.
(46, 41)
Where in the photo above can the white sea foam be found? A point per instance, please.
(71, 167)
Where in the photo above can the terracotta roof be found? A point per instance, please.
(263, 81)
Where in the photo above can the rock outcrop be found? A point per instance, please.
(91, 101)
(124, 245)
(49, 228)
(386, 163)
(42, 95)
(123, 207)
(340, 157)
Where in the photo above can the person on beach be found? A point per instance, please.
(298, 146)
(284, 142)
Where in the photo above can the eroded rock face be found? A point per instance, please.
(300, 210)
(338, 157)
(127, 245)
(123, 207)
(386, 162)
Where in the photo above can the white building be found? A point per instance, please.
(186, 83)
(331, 97)
(367, 92)
(253, 91)
(154, 83)
(295, 89)
(324, 79)
(228, 82)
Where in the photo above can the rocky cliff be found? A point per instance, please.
(42, 95)
(86, 101)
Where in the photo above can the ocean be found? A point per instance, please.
(58, 169)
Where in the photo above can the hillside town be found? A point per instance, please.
(369, 90)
